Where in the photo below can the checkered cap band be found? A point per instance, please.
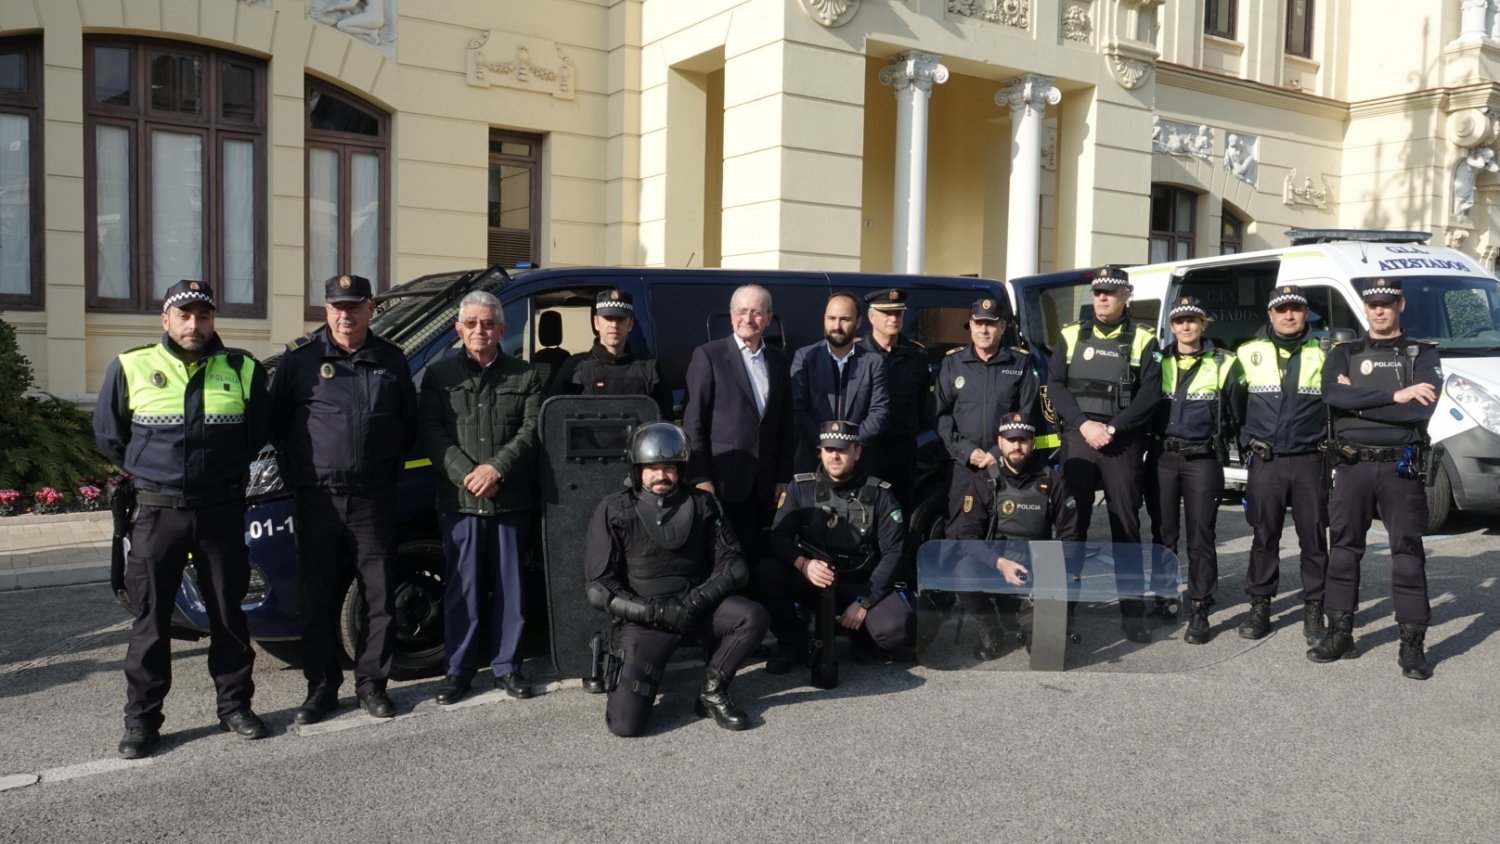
(1382, 290)
(1187, 310)
(177, 300)
(1017, 426)
(1284, 298)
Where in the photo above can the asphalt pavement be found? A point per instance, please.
(1233, 740)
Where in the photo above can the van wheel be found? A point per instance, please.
(417, 607)
(286, 651)
(1439, 501)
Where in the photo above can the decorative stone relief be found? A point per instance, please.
(1016, 13)
(1305, 193)
(831, 13)
(1076, 25)
(1242, 156)
(1032, 93)
(519, 61)
(369, 20)
(1488, 251)
(914, 70)
(1466, 177)
(1182, 139)
(1455, 236)
(1130, 73)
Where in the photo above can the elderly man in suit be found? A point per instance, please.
(738, 418)
(837, 379)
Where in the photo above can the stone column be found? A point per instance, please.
(912, 75)
(1028, 97)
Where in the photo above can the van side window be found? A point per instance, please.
(1328, 309)
(548, 327)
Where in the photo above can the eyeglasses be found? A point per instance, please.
(1281, 309)
(486, 324)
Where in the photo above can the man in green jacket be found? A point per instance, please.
(478, 418)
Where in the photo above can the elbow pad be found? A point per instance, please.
(631, 610)
(726, 583)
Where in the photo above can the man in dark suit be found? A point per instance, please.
(738, 418)
(837, 380)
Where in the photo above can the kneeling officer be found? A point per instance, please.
(661, 559)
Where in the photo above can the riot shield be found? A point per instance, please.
(584, 444)
(1062, 609)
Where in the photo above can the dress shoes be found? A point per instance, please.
(378, 704)
(452, 690)
(245, 724)
(514, 684)
(138, 742)
(319, 705)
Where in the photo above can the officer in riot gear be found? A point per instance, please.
(1104, 383)
(1184, 468)
(976, 385)
(1382, 390)
(1276, 391)
(856, 519)
(1018, 498)
(663, 562)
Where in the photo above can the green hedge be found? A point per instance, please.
(44, 441)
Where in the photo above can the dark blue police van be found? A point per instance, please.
(547, 314)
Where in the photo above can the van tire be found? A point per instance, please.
(417, 607)
(1439, 501)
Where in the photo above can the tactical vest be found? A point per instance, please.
(846, 524)
(1261, 362)
(1018, 507)
(157, 382)
(1102, 370)
(1384, 368)
(652, 570)
(1193, 403)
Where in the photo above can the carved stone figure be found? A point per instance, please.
(1015, 13)
(1181, 139)
(1201, 144)
(1240, 157)
(371, 20)
(1076, 25)
(1466, 175)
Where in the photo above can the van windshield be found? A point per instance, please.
(1459, 313)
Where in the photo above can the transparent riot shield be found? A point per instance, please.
(1065, 606)
(584, 444)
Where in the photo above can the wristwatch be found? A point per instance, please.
(865, 602)
(1110, 429)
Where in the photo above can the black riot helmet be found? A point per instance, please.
(658, 442)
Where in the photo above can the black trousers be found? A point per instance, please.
(958, 486)
(749, 518)
(738, 624)
(160, 541)
(889, 625)
(1357, 489)
(1183, 492)
(1295, 479)
(333, 532)
(1117, 469)
(895, 462)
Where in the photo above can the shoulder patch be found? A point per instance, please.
(298, 343)
(953, 351)
(804, 477)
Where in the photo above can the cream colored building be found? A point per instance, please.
(258, 144)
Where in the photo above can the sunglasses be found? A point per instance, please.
(1281, 309)
(486, 324)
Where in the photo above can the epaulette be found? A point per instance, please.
(1432, 343)
(1021, 350)
(228, 350)
(294, 345)
(804, 477)
(140, 348)
(953, 351)
(885, 484)
(915, 343)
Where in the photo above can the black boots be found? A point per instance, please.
(1313, 627)
(1413, 660)
(1165, 609)
(1197, 628)
(1133, 620)
(1258, 623)
(991, 643)
(1339, 643)
(713, 699)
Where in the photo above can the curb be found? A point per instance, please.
(41, 577)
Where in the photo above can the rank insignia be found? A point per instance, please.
(780, 499)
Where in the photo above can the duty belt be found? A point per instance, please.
(154, 499)
(1188, 448)
(1373, 454)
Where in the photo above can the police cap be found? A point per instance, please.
(1187, 306)
(614, 303)
(1286, 294)
(1109, 278)
(1379, 289)
(186, 292)
(346, 288)
(989, 309)
(1015, 426)
(889, 299)
(838, 434)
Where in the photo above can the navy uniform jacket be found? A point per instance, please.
(798, 509)
(973, 394)
(745, 455)
(343, 420)
(908, 387)
(596, 372)
(1405, 421)
(820, 394)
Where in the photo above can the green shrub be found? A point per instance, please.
(44, 441)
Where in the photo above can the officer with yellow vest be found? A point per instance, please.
(1383, 390)
(1278, 395)
(1185, 468)
(183, 417)
(1104, 385)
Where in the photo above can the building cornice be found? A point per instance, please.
(1243, 90)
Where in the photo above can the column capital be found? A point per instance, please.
(1030, 92)
(914, 69)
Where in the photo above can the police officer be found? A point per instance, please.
(1279, 396)
(662, 560)
(346, 413)
(1382, 390)
(1019, 498)
(837, 379)
(908, 388)
(183, 417)
(1104, 384)
(610, 368)
(846, 513)
(976, 385)
(1185, 466)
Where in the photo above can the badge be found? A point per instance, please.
(958, 383)
(968, 503)
(615, 295)
(986, 304)
(1366, 367)
(780, 499)
(345, 281)
(896, 515)
(158, 378)
(192, 285)
(1088, 352)
(326, 370)
(1255, 358)
(1008, 507)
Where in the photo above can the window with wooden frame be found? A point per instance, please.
(175, 174)
(1231, 233)
(1173, 214)
(1299, 28)
(348, 191)
(22, 226)
(1218, 18)
(515, 206)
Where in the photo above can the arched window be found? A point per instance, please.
(348, 190)
(1173, 214)
(1231, 233)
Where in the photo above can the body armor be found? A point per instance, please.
(1100, 369)
(846, 524)
(1018, 507)
(667, 538)
(1385, 368)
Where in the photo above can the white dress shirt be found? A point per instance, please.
(755, 367)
